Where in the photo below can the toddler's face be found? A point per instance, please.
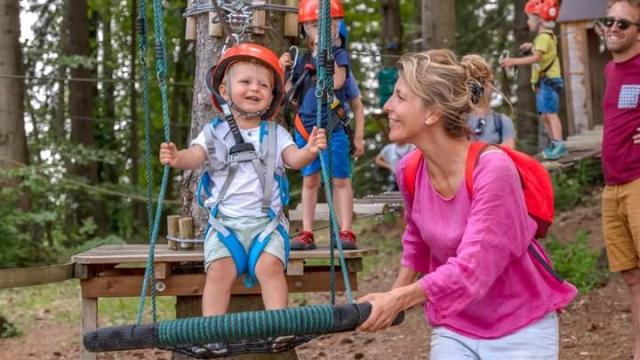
(251, 86)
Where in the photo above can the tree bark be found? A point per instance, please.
(107, 172)
(438, 24)
(391, 31)
(13, 141)
(525, 107)
(81, 108)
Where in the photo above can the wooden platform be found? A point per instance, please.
(118, 271)
(322, 211)
(585, 145)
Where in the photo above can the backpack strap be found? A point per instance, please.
(497, 124)
(543, 73)
(411, 171)
(475, 149)
(270, 171)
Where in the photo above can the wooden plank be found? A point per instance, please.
(39, 275)
(123, 254)
(313, 280)
(322, 211)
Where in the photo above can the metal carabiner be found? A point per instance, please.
(293, 49)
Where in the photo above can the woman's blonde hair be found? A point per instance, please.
(443, 85)
(480, 70)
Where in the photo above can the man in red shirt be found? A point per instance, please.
(621, 149)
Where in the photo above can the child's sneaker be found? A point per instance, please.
(304, 241)
(216, 349)
(348, 240)
(556, 151)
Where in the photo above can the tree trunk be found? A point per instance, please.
(13, 141)
(81, 108)
(108, 172)
(391, 31)
(525, 107)
(438, 24)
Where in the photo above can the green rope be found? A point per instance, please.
(325, 95)
(161, 72)
(315, 319)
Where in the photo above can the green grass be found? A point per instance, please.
(61, 303)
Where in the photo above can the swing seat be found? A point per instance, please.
(251, 331)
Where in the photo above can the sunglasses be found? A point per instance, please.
(623, 24)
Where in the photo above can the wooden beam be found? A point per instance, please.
(39, 275)
(192, 285)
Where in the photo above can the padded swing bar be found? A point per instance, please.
(304, 320)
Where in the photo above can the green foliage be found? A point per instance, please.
(576, 262)
(8, 329)
(573, 186)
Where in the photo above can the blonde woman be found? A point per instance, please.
(484, 294)
(486, 124)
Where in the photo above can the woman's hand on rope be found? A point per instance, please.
(168, 154)
(317, 140)
(384, 309)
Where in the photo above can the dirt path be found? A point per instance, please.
(596, 326)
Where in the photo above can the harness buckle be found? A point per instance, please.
(242, 152)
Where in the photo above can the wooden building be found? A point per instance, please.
(583, 59)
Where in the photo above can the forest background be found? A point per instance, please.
(72, 169)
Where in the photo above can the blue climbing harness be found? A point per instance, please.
(264, 163)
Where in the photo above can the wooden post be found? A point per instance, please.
(291, 21)
(173, 230)
(191, 31)
(89, 322)
(215, 27)
(259, 18)
(186, 232)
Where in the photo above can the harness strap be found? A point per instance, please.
(271, 167)
(230, 241)
(300, 127)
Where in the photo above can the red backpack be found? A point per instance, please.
(536, 182)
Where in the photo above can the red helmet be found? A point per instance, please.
(547, 9)
(308, 10)
(249, 51)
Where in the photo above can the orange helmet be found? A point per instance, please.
(547, 9)
(249, 51)
(308, 10)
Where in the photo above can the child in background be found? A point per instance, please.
(389, 157)
(486, 124)
(306, 119)
(546, 76)
(246, 207)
